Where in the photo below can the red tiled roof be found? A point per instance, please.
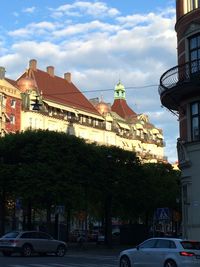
(14, 83)
(122, 109)
(59, 90)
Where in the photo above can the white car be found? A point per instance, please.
(28, 242)
(162, 252)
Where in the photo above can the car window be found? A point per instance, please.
(44, 236)
(11, 235)
(148, 244)
(162, 243)
(29, 235)
(190, 245)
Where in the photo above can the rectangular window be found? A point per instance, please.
(194, 53)
(195, 121)
(12, 119)
(4, 101)
(13, 103)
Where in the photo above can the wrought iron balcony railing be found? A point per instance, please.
(180, 74)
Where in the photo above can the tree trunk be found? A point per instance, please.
(68, 224)
(48, 219)
(2, 212)
(29, 215)
(108, 220)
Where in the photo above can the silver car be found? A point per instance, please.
(28, 242)
(162, 252)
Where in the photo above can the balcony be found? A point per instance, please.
(178, 83)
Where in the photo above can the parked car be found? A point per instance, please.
(162, 252)
(28, 242)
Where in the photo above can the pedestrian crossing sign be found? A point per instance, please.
(162, 214)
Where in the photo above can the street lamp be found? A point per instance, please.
(36, 105)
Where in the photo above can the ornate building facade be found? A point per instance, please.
(179, 92)
(10, 105)
(55, 103)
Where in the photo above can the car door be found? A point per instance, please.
(45, 242)
(29, 238)
(164, 247)
(143, 256)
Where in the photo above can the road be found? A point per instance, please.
(71, 259)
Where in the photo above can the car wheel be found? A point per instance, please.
(61, 250)
(125, 262)
(170, 263)
(27, 250)
(7, 253)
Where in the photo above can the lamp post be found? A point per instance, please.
(36, 105)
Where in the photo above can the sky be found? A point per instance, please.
(100, 42)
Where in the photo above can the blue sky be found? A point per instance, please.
(99, 42)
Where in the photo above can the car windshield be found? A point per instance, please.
(191, 245)
(11, 235)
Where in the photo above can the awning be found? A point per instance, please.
(59, 106)
(73, 110)
(155, 131)
(109, 118)
(139, 126)
(123, 125)
(81, 112)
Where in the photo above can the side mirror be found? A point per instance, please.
(137, 247)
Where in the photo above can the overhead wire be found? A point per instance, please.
(104, 90)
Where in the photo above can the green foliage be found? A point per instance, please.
(54, 168)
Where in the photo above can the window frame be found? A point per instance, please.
(13, 103)
(12, 119)
(193, 116)
(194, 66)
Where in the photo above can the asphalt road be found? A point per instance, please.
(73, 258)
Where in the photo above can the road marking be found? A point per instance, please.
(62, 265)
(69, 264)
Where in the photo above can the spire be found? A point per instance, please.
(120, 91)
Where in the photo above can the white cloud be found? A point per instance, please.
(33, 30)
(81, 8)
(29, 10)
(84, 28)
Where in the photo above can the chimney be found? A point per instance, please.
(2, 73)
(50, 70)
(33, 64)
(67, 76)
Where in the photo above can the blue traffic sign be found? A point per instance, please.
(162, 214)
